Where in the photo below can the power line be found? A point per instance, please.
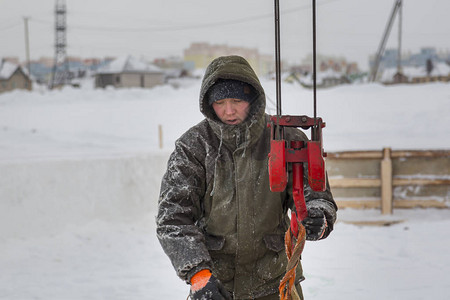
(11, 26)
(188, 27)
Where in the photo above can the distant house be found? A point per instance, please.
(127, 71)
(12, 77)
(439, 72)
(325, 79)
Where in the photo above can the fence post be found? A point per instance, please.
(160, 135)
(386, 182)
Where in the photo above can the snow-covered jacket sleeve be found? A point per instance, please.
(179, 208)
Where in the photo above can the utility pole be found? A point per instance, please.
(60, 74)
(399, 55)
(27, 44)
(381, 47)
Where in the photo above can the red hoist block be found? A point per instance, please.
(316, 166)
(277, 166)
(297, 191)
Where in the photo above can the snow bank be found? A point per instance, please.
(45, 197)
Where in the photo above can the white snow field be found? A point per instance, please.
(80, 171)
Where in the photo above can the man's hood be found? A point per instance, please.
(231, 67)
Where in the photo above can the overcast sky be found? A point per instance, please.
(160, 28)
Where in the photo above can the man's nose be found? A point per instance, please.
(229, 108)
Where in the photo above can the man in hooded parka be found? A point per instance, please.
(217, 219)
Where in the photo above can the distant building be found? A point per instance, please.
(173, 67)
(331, 71)
(388, 60)
(41, 69)
(13, 76)
(326, 63)
(327, 78)
(412, 74)
(127, 71)
(172, 62)
(390, 56)
(199, 55)
(425, 54)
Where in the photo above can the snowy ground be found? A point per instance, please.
(79, 181)
(115, 260)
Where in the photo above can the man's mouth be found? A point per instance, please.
(232, 122)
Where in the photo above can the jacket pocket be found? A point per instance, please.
(274, 242)
(214, 243)
(273, 264)
(223, 264)
(223, 268)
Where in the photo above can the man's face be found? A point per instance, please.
(231, 111)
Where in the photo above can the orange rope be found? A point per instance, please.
(293, 254)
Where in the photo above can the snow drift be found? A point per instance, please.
(45, 197)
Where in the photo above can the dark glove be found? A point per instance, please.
(315, 224)
(204, 286)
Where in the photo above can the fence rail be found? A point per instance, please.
(388, 170)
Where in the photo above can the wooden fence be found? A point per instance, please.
(390, 179)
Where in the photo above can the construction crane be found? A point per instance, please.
(395, 10)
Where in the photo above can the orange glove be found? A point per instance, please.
(200, 279)
(205, 286)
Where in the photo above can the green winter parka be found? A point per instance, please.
(216, 209)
